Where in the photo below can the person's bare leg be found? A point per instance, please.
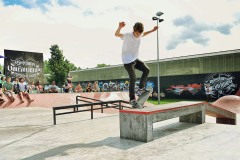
(28, 97)
(21, 97)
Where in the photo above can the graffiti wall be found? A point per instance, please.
(24, 64)
(194, 86)
(183, 87)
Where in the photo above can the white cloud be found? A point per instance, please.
(193, 30)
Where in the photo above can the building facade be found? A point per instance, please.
(180, 77)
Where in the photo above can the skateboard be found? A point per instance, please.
(143, 97)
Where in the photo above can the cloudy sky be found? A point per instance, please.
(84, 29)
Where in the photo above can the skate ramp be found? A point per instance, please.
(49, 100)
(226, 109)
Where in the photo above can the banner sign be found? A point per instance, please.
(24, 64)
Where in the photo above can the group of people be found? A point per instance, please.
(9, 88)
(154, 95)
(89, 88)
(68, 86)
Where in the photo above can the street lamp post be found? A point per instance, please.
(157, 18)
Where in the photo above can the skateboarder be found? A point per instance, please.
(130, 51)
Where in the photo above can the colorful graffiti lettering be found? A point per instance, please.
(179, 89)
(117, 85)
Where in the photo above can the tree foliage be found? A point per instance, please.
(1, 68)
(57, 66)
(46, 67)
(102, 65)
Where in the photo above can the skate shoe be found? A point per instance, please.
(139, 91)
(135, 104)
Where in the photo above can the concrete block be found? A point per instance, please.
(137, 127)
(198, 117)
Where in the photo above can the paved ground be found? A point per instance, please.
(29, 134)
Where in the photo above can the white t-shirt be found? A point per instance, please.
(130, 47)
(22, 87)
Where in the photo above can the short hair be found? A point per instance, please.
(138, 27)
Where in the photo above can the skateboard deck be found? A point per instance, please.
(143, 97)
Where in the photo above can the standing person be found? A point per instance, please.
(208, 90)
(130, 52)
(8, 89)
(23, 90)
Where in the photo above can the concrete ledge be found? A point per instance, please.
(138, 124)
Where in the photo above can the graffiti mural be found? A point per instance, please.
(179, 89)
(221, 83)
(193, 86)
(182, 86)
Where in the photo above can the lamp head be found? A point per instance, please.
(154, 18)
(159, 13)
(160, 20)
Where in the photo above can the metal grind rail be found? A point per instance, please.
(97, 100)
(103, 104)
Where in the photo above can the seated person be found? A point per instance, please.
(78, 88)
(23, 90)
(70, 84)
(95, 87)
(15, 82)
(154, 95)
(67, 87)
(1, 94)
(31, 87)
(162, 95)
(8, 89)
(39, 87)
(53, 88)
(89, 87)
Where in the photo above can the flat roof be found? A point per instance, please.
(176, 58)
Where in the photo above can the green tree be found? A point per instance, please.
(1, 68)
(58, 66)
(102, 65)
(46, 67)
(72, 66)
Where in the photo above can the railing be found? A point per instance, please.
(103, 104)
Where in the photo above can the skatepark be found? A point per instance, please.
(119, 80)
(29, 133)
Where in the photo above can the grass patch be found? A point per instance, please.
(166, 101)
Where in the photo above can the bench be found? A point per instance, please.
(137, 124)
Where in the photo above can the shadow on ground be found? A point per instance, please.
(113, 142)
